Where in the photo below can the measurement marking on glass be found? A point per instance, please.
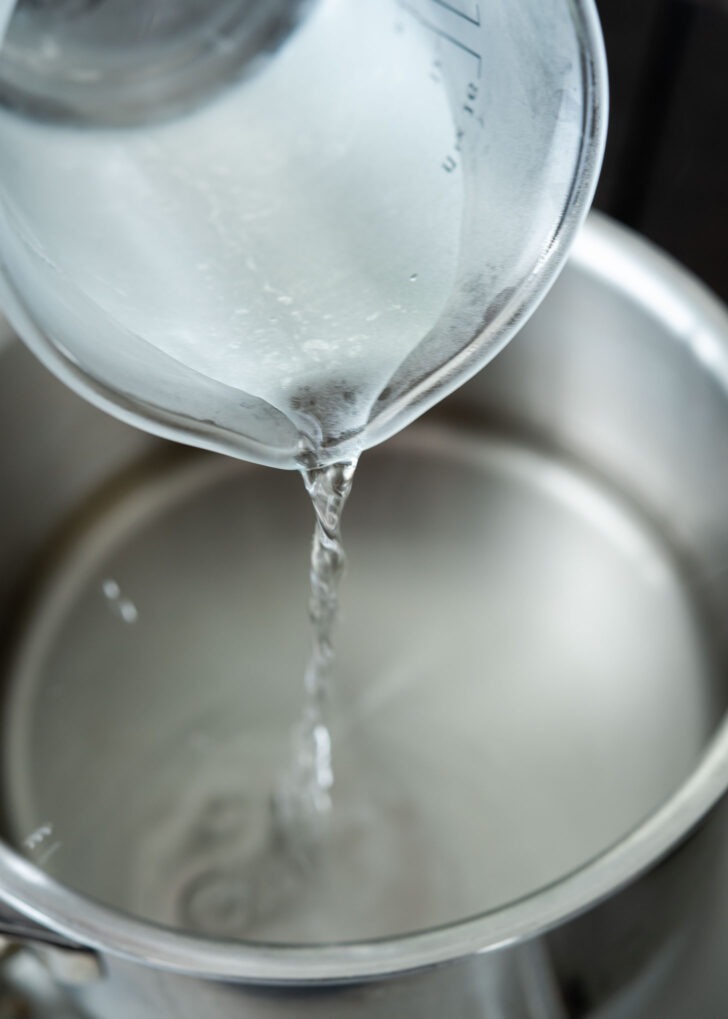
(474, 20)
(442, 34)
(38, 837)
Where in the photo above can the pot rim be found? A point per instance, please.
(693, 317)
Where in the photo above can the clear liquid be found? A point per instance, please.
(292, 241)
(521, 679)
(268, 263)
(263, 245)
(302, 799)
(320, 250)
(255, 888)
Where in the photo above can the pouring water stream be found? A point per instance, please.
(353, 272)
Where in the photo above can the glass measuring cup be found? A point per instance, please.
(257, 255)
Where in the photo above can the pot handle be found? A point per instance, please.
(67, 961)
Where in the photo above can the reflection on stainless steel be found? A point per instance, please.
(521, 681)
(588, 467)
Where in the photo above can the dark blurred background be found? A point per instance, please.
(666, 165)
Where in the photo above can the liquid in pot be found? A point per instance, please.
(523, 678)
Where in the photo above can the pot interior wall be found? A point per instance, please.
(530, 660)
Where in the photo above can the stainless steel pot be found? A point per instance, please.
(623, 372)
